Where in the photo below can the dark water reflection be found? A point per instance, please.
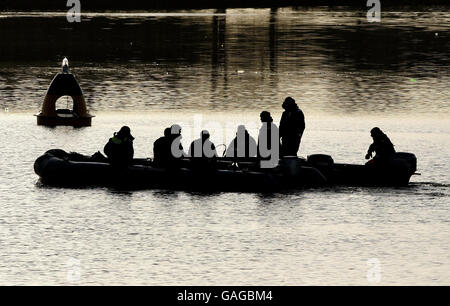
(334, 62)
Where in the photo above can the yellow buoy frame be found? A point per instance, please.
(49, 106)
(64, 84)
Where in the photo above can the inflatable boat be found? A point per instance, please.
(59, 168)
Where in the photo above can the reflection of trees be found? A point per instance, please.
(218, 52)
(174, 39)
(383, 48)
(103, 39)
(273, 47)
(151, 60)
(383, 59)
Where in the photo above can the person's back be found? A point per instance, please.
(203, 152)
(269, 134)
(161, 149)
(384, 146)
(243, 145)
(292, 126)
(202, 147)
(119, 148)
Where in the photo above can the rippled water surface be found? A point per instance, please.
(217, 69)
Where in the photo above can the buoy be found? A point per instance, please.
(64, 84)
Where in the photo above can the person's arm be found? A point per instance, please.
(253, 147)
(155, 149)
(230, 150)
(370, 151)
(213, 147)
(131, 150)
(107, 149)
(182, 150)
(282, 124)
(191, 149)
(301, 121)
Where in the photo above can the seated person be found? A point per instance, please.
(268, 142)
(268, 130)
(119, 148)
(202, 151)
(163, 155)
(202, 147)
(161, 148)
(243, 145)
(381, 145)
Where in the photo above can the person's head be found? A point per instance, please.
(376, 132)
(175, 130)
(289, 103)
(266, 117)
(241, 130)
(204, 135)
(125, 133)
(167, 132)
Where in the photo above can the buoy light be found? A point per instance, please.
(65, 65)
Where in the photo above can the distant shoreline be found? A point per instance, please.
(130, 5)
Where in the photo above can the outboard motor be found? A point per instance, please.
(321, 161)
(406, 158)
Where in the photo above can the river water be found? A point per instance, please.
(215, 70)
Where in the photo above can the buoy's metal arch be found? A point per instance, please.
(64, 84)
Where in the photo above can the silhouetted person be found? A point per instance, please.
(161, 149)
(166, 149)
(202, 147)
(268, 139)
(243, 145)
(176, 146)
(292, 126)
(381, 145)
(119, 148)
(203, 152)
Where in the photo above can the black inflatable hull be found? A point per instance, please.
(57, 167)
(396, 171)
(360, 175)
(61, 171)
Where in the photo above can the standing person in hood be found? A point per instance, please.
(292, 126)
